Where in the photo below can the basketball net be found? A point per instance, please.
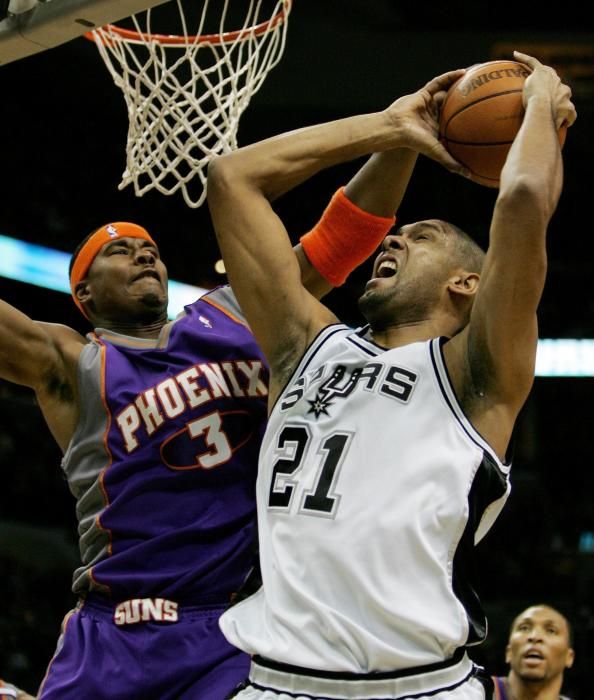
(186, 93)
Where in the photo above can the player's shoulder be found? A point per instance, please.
(224, 298)
(499, 686)
(64, 345)
(62, 334)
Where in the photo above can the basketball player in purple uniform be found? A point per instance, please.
(539, 651)
(160, 424)
(383, 461)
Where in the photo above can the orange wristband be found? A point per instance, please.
(344, 238)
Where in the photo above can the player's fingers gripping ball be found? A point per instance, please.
(481, 115)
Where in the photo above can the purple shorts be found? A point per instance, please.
(149, 655)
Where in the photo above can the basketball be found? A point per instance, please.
(481, 115)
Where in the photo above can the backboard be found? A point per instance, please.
(30, 26)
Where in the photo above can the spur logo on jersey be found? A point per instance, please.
(194, 387)
(388, 380)
(130, 612)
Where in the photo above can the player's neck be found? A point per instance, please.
(150, 329)
(520, 690)
(396, 335)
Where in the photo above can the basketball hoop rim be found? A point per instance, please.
(133, 37)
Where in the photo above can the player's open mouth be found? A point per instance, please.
(387, 268)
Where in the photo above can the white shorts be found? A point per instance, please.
(458, 679)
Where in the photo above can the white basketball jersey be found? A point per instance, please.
(372, 491)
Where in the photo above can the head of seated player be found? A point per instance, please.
(118, 279)
(426, 271)
(539, 649)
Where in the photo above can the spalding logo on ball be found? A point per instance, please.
(482, 114)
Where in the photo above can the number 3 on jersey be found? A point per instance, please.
(293, 446)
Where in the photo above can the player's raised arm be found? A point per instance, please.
(355, 221)
(28, 351)
(260, 262)
(43, 357)
(492, 361)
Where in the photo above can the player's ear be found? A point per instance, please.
(570, 658)
(82, 291)
(507, 654)
(464, 283)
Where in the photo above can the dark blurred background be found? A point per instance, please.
(63, 126)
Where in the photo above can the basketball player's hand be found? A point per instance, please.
(416, 116)
(544, 81)
(11, 691)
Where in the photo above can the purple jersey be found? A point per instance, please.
(501, 690)
(163, 462)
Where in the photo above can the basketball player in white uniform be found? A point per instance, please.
(384, 458)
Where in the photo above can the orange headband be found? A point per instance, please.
(88, 252)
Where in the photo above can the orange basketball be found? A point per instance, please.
(481, 115)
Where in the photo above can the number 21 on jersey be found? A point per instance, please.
(295, 450)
